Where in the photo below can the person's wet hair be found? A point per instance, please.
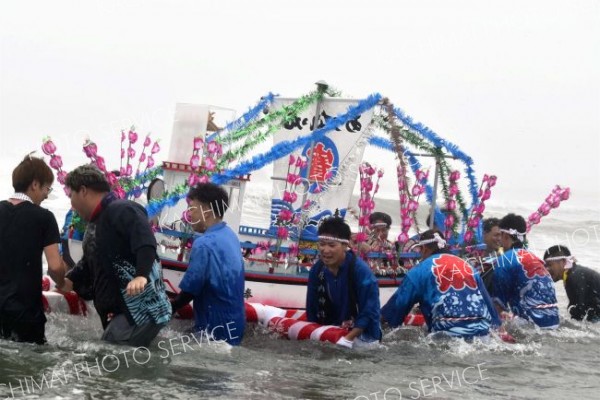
(557, 251)
(380, 216)
(29, 170)
(213, 195)
(489, 223)
(335, 227)
(89, 176)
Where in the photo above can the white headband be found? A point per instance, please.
(514, 232)
(335, 239)
(441, 243)
(379, 224)
(570, 260)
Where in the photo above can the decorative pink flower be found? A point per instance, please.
(420, 175)
(48, 146)
(209, 164)
(193, 180)
(111, 178)
(403, 198)
(485, 178)
(449, 220)
(133, 136)
(292, 178)
(416, 190)
(61, 176)
(195, 161)
(544, 209)
(285, 215)
(486, 194)
(380, 173)
(413, 205)
(361, 237)
(492, 181)
(306, 204)
(479, 208)
(292, 159)
(282, 232)
(406, 222)
(293, 197)
(212, 147)
(203, 179)
(448, 234)
(565, 194)
(147, 141)
(122, 136)
(534, 218)
(100, 163)
(451, 205)
(453, 189)
(468, 236)
(90, 149)
(155, 148)
(131, 152)
(287, 196)
(403, 237)
(128, 170)
(150, 162)
(56, 162)
(401, 185)
(198, 143)
(122, 154)
(454, 176)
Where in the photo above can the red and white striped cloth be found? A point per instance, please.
(293, 325)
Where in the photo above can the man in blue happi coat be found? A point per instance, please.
(215, 275)
(450, 292)
(342, 290)
(521, 281)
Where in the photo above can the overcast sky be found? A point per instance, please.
(516, 84)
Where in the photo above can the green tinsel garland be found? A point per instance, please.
(285, 114)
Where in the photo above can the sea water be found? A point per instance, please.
(409, 364)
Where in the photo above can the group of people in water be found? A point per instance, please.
(121, 272)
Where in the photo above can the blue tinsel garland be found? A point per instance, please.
(282, 149)
(286, 147)
(247, 117)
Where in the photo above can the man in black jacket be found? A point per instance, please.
(119, 261)
(582, 284)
